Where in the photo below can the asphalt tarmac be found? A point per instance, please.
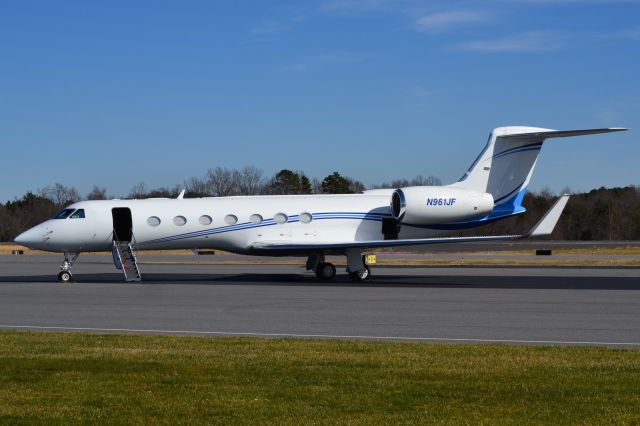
(580, 306)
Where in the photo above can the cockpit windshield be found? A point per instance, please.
(70, 213)
(63, 214)
(78, 214)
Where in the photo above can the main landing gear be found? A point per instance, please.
(362, 275)
(65, 275)
(357, 268)
(325, 271)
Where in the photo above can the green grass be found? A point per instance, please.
(58, 378)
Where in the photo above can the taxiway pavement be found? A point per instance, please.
(510, 305)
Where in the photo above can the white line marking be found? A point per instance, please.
(323, 336)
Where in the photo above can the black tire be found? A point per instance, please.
(326, 271)
(363, 275)
(65, 277)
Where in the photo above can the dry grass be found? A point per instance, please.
(547, 261)
(577, 251)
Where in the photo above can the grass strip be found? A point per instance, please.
(62, 378)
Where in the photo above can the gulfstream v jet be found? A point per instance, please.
(312, 226)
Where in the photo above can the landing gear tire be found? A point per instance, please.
(65, 277)
(326, 271)
(361, 275)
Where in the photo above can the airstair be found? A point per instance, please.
(125, 258)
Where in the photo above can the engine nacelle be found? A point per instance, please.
(427, 205)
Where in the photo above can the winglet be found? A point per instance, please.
(550, 219)
(181, 195)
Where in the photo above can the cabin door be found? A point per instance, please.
(122, 224)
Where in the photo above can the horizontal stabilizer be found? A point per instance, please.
(546, 134)
(544, 227)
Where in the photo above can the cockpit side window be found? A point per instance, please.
(78, 214)
(63, 214)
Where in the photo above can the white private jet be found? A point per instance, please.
(311, 225)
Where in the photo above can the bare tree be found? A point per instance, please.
(416, 181)
(97, 193)
(356, 186)
(566, 190)
(426, 181)
(546, 193)
(250, 181)
(222, 182)
(197, 187)
(138, 191)
(60, 194)
(316, 185)
(164, 192)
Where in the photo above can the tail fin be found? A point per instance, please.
(505, 166)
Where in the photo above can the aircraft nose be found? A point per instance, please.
(30, 238)
(25, 238)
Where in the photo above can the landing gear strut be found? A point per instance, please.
(69, 259)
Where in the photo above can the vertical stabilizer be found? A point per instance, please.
(505, 166)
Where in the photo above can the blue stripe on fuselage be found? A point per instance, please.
(269, 222)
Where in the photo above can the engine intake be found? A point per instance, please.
(398, 204)
(426, 205)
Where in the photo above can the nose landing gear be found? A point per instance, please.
(65, 275)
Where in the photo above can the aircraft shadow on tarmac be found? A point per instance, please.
(430, 281)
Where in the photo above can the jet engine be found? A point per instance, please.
(427, 205)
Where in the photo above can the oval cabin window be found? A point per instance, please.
(280, 218)
(179, 220)
(231, 219)
(205, 220)
(256, 218)
(305, 217)
(153, 221)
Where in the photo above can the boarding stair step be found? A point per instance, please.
(128, 261)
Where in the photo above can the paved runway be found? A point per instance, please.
(518, 305)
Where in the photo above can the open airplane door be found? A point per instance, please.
(122, 224)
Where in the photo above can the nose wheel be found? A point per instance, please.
(65, 275)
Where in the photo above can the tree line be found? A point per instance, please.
(601, 214)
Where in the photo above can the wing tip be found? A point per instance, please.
(547, 224)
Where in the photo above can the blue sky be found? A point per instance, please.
(116, 93)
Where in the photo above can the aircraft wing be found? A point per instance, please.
(544, 227)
